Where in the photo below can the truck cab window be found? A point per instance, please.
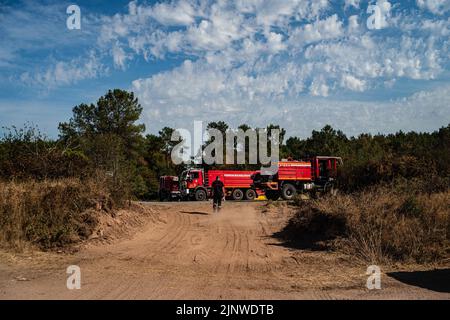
(194, 175)
(323, 170)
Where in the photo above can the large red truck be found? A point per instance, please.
(196, 183)
(169, 188)
(317, 174)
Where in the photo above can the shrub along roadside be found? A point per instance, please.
(379, 225)
(51, 214)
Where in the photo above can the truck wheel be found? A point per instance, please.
(237, 194)
(200, 195)
(272, 195)
(288, 192)
(250, 194)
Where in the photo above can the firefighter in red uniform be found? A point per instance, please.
(218, 190)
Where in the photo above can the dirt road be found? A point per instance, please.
(184, 251)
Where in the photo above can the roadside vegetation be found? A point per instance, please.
(382, 224)
(393, 202)
(51, 213)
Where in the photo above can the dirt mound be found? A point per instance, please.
(122, 223)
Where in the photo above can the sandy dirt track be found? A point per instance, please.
(185, 251)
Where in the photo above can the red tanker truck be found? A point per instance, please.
(195, 184)
(317, 174)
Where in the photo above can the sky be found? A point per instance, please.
(361, 66)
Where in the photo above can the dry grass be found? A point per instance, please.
(377, 226)
(50, 213)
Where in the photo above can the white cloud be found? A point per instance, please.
(353, 24)
(326, 29)
(65, 73)
(352, 83)
(119, 56)
(319, 88)
(435, 6)
(174, 14)
(275, 42)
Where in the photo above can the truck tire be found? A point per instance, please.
(237, 194)
(288, 191)
(272, 195)
(250, 194)
(200, 195)
(162, 196)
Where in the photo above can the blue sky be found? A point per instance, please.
(299, 63)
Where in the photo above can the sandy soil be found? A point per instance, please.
(185, 251)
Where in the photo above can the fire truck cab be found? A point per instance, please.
(192, 184)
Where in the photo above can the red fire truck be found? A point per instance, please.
(318, 174)
(169, 188)
(196, 184)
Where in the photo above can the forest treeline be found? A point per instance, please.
(107, 138)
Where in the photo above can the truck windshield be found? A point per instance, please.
(195, 175)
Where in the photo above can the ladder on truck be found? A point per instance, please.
(205, 178)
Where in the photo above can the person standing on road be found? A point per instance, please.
(218, 190)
